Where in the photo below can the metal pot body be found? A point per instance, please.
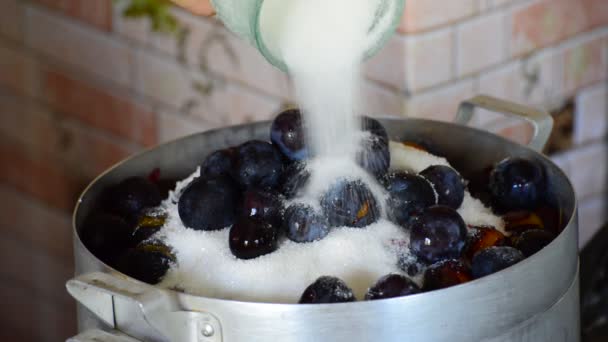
(535, 300)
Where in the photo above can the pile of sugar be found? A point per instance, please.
(206, 267)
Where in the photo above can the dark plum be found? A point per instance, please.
(448, 184)
(129, 197)
(302, 223)
(287, 134)
(147, 262)
(445, 274)
(218, 163)
(209, 204)
(258, 164)
(392, 285)
(438, 234)
(480, 238)
(374, 155)
(351, 204)
(294, 179)
(409, 195)
(251, 237)
(532, 241)
(106, 236)
(494, 259)
(517, 183)
(327, 289)
(374, 127)
(263, 204)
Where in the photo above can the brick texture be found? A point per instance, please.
(429, 59)
(99, 108)
(43, 179)
(389, 65)
(584, 64)
(545, 22)
(537, 80)
(49, 157)
(18, 70)
(174, 125)
(11, 20)
(31, 221)
(28, 316)
(88, 49)
(97, 13)
(440, 104)
(421, 15)
(588, 169)
(591, 119)
(481, 43)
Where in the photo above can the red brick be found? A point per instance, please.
(598, 12)
(89, 153)
(78, 46)
(47, 179)
(18, 71)
(584, 65)
(94, 12)
(545, 22)
(440, 103)
(25, 316)
(35, 270)
(58, 179)
(11, 20)
(421, 15)
(46, 229)
(38, 128)
(99, 108)
(49, 136)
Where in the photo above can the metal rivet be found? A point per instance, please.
(207, 330)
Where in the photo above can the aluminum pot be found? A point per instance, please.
(535, 300)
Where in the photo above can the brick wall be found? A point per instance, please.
(81, 88)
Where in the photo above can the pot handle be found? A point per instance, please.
(540, 120)
(127, 306)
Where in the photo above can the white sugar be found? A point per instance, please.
(327, 171)
(206, 266)
(359, 256)
(412, 159)
(322, 43)
(415, 160)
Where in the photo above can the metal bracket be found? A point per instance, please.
(540, 120)
(125, 304)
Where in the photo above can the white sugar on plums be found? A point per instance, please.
(359, 256)
(323, 44)
(206, 267)
(472, 210)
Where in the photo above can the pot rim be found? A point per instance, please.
(505, 273)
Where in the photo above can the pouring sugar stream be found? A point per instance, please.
(323, 50)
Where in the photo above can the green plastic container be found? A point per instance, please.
(243, 18)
